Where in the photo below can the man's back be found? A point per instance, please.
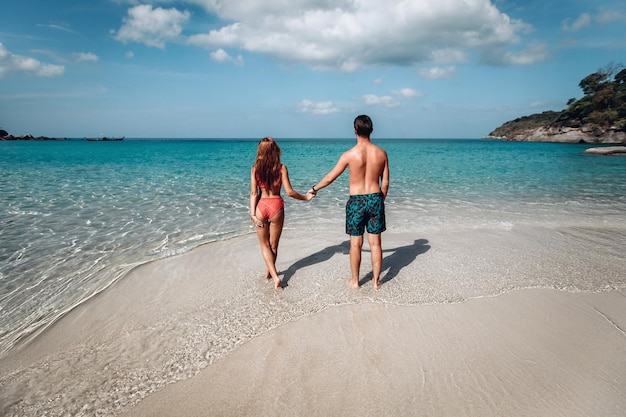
(368, 166)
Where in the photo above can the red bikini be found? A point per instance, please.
(270, 206)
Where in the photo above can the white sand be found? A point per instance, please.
(528, 353)
(203, 334)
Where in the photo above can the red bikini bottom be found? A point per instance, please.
(270, 206)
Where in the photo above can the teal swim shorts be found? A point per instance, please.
(365, 211)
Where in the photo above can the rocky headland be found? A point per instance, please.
(598, 117)
(4, 135)
(570, 132)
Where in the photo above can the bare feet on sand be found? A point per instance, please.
(355, 284)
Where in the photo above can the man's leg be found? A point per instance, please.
(356, 243)
(377, 257)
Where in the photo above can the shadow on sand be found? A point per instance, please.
(401, 257)
(392, 264)
(318, 257)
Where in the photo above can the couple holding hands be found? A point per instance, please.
(369, 182)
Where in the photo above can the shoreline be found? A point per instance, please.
(173, 319)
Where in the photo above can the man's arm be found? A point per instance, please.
(384, 186)
(341, 166)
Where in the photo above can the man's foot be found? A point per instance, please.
(376, 283)
(354, 283)
(278, 284)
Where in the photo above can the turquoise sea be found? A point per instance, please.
(77, 216)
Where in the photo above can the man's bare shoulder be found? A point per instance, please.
(378, 150)
(350, 153)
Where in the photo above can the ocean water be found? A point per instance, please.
(76, 216)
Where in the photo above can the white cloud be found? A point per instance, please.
(583, 21)
(610, 16)
(323, 107)
(533, 53)
(152, 27)
(222, 56)
(448, 56)
(602, 17)
(437, 72)
(10, 63)
(85, 57)
(406, 93)
(394, 99)
(374, 100)
(351, 34)
(57, 27)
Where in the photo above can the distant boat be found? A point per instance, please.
(104, 138)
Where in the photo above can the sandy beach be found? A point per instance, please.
(467, 323)
(528, 353)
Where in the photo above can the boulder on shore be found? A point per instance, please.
(607, 150)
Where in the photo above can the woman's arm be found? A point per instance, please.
(289, 189)
(254, 198)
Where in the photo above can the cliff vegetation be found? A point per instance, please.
(598, 117)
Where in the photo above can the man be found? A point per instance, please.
(369, 182)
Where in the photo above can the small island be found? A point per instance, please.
(599, 117)
(4, 135)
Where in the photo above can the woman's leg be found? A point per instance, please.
(276, 229)
(264, 233)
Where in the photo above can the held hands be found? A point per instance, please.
(310, 194)
(257, 222)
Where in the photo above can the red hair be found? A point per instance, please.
(267, 165)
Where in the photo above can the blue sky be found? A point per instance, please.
(295, 68)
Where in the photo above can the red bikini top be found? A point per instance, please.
(276, 185)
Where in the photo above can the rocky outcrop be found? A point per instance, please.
(8, 136)
(570, 134)
(607, 150)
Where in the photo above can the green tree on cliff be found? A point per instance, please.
(603, 105)
(604, 100)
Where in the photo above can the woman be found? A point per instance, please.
(267, 212)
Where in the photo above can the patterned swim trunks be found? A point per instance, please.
(365, 210)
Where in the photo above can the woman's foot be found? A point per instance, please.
(278, 284)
